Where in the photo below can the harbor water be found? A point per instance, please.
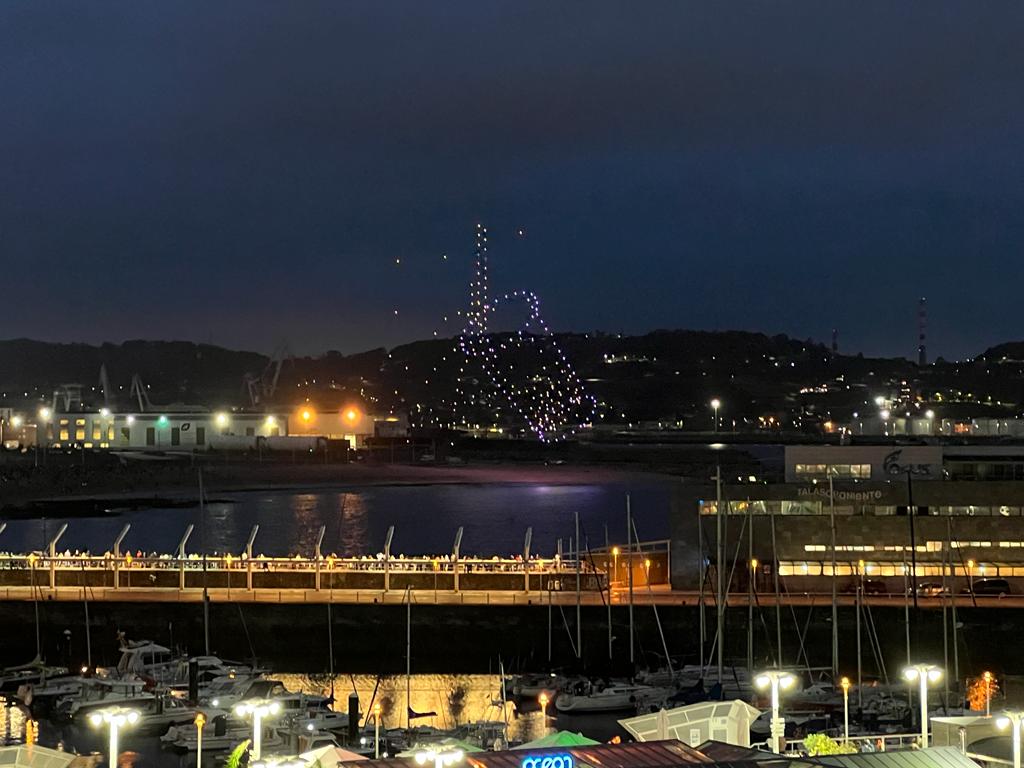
(426, 517)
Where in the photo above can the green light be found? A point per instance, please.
(162, 421)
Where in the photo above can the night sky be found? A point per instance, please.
(248, 172)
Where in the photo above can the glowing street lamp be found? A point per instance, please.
(715, 405)
(258, 709)
(440, 758)
(615, 561)
(114, 718)
(776, 679)
(845, 683)
(200, 721)
(923, 674)
(1014, 718)
(543, 701)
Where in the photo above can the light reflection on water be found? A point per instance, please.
(12, 723)
(454, 699)
(494, 517)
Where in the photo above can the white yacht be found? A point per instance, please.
(587, 697)
(99, 692)
(221, 734)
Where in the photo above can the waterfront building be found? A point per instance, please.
(169, 430)
(937, 512)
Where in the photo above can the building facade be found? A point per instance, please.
(158, 431)
(953, 513)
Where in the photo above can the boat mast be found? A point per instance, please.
(608, 551)
(751, 574)
(629, 550)
(408, 656)
(835, 608)
(720, 569)
(206, 593)
(778, 600)
(579, 614)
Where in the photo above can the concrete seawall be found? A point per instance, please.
(467, 639)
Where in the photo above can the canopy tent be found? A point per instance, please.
(329, 756)
(559, 739)
(448, 744)
(727, 721)
(35, 756)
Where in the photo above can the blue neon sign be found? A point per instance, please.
(548, 761)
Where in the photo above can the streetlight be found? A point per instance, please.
(924, 674)
(258, 709)
(376, 731)
(777, 679)
(114, 718)
(200, 721)
(615, 560)
(1014, 718)
(845, 683)
(970, 577)
(440, 758)
(543, 701)
(987, 677)
(715, 405)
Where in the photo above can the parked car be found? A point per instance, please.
(869, 586)
(932, 589)
(997, 587)
(874, 587)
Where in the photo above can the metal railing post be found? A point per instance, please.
(387, 559)
(117, 553)
(316, 554)
(181, 556)
(455, 555)
(526, 559)
(248, 558)
(52, 548)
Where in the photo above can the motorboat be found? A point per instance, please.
(221, 734)
(99, 692)
(588, 697)
(36, 671)
(530, 686)
(169, 711)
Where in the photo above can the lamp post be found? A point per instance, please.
(543, 701)
(440, 758)
(376, 731)
(715, 405)
(777, 679)
(1014, 718)
(615, 561)
(845, 683)
(923, 674)
(114, 718)
(258, 710)
(987, 677)
(200, 721)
